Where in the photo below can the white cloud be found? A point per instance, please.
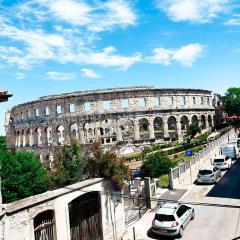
(89, 73)
(20, 75)
(234, 21)
(60, 76)
(95, 17)
(188, 54)
(40, 46)
(185, 55)
(196, 11)
(109, 58)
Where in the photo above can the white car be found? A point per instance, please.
(172, 218)
(222, 162)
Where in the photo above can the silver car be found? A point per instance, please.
(209, 175)
(172, 218)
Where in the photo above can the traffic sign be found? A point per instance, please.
(189, 153)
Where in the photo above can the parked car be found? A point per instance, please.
(230, 150)
(222, 162)
(236, 142)
(209, 174)
(172, 218)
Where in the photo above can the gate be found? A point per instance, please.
(44, 226)
(134, 204)
(85, 217)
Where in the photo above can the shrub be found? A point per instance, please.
(158, 164)
(163, 181)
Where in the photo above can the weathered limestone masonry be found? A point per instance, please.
(50, 213)
(116, 116)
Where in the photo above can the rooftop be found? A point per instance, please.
(4, 95)
(168, 208)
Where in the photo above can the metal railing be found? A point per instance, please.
(177, 172)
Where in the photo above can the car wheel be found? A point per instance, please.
(193, 214)
(180, 234)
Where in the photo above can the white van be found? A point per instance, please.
(230, 150)
(235, 141)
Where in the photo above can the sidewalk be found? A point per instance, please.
(188, 178)
(142, 227)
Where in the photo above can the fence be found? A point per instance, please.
(177, 174)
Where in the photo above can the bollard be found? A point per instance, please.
(134, 238)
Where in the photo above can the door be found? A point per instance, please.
(85, 217)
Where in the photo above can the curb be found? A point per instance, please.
(187, 192)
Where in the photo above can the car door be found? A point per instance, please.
(183, 214)
(215, 173)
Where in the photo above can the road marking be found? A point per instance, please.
(196, 194)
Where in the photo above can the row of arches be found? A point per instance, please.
(110, 131)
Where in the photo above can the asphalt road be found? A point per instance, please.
(221, 221)
(217, 209)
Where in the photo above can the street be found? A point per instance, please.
(216, 207)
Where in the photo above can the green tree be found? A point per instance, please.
(22, 175)
(68, 166)
(110, 165)
(3, 144)
(231, 101)
(158, 164)
(75, 162)
(193, 130)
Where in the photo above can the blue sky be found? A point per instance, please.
(55, 46)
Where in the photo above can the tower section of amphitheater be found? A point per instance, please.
(115, 116)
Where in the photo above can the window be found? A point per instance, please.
(28, 113)
(86, 106)
(46, 111)
(106, 105)
(125, 103)
(182, 209)
(201, 100)
(71, 107)
(170, 101)
(141, 102)
(164, 217)
(182, 101)
(59, 109)
(36, 112)
(194, 100)
(21, 115)
(156, 101)
(208, 101)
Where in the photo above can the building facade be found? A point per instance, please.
(115, 116)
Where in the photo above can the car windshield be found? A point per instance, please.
(205, 172)
(219, 160)
(164, 217)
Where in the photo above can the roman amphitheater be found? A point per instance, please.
(118, 116)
